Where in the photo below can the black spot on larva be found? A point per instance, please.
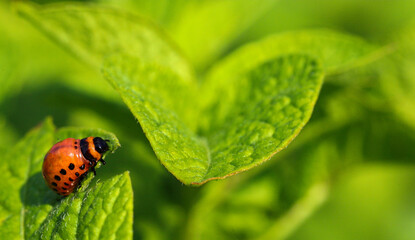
(64, 188)
(63, 171)
(57, 178)
(82, 167)
(66, 184)
(76, 147)
(54, 189)
(71, 166)
(70, 179)
(77, 174)
(54, 184)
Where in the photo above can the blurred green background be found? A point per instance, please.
(350, 174)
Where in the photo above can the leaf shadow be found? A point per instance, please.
(35, 192)
(26, 109)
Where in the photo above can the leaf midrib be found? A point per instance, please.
(206, 144)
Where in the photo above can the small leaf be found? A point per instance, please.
(26, 201)
(104, 211)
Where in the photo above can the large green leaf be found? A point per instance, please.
(95, 32)
(275, 102)
(27, 204)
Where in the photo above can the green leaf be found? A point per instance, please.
(397, 77)
(95, 32)
(268, 204)
(27, 204)
(160, 11)
(104, 211)
(335, 51)
(275, 100)
(9, 60)
(25, 200)
(204, 29)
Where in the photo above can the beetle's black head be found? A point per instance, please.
(101, 145)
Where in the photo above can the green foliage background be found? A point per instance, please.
(348, 175)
